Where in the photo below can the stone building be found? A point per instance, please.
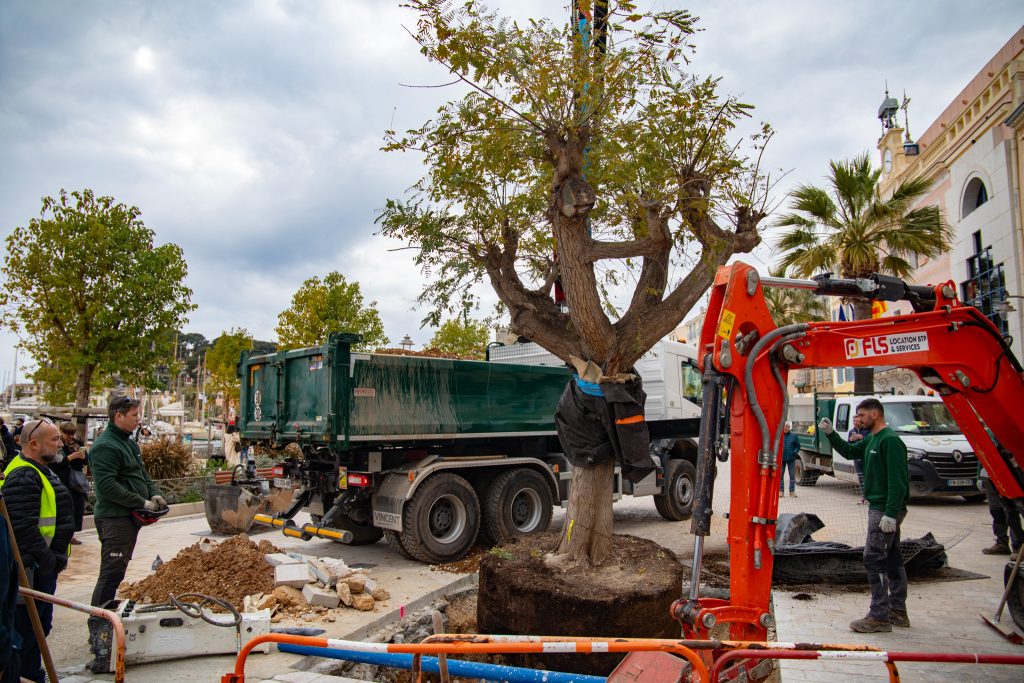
(972, 153)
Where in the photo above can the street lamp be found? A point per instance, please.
(406, 343)
(1003, 306)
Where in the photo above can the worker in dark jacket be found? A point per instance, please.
(10, 639)
(42, 515)
(122, 485)
(790, 452)
(887, 489)
(70, 467)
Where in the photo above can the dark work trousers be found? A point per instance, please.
(31, 659)
(12, 674)
(117, 543)
(1004, 517)
(886, 574)
(858, 466)
(791, 468)
(79, 500)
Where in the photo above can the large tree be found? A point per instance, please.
(613, 155)
(462, 337)
(847, 228)
(331, 304)
(90, 295)
(222, 364)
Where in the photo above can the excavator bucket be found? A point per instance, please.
(230, 509)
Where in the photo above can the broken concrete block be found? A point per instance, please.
(300, 557)
(345, 594)
(320, 597)
(369, 585)
(267, 602)
(249, 602)
(277, 559)
(355, 583)
(362, 601)
(294, 575)
(337, 566)
(326, 573)
(289, 596)
(379, 593)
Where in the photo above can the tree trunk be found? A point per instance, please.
(83, 385)
(863, 378)
(587, 529)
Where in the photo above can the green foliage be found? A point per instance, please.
(545, 112)
(331, 304)
(90, 295)
(789, 306)
(462, 337)
(192, 495)
(847, 228)
(222, 363)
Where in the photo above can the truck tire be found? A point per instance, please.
(441, 520)
(362, 534)
(394, 541)
(804, 476)
(676, 504)
(517, 503)
(1015, 596)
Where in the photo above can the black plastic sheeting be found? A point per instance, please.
(801, 559)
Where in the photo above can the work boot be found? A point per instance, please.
(897, 618)
(869, 625)
(997, 548)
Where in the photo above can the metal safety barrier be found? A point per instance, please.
(886, 657)
(115, 622)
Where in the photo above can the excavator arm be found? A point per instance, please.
(746, 359)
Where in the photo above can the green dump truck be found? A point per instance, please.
(430, 453)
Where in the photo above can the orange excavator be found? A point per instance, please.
(745, 358)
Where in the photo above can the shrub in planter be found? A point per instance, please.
(167, 458)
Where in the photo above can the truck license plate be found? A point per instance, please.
(959, 482)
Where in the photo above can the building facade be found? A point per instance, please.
(972, 154)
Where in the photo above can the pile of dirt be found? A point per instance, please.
(470, 564)
(229, 570)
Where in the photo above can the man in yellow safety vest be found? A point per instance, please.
(42, 514)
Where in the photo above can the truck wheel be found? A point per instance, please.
(362, 534)
(676, 504)
(394, 541)
(518, 502)
(805, 477)
(441, 521)
(1015, 596)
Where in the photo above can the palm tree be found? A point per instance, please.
(789, 306)
(847, 228)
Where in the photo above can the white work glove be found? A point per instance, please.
(826, 425)
(151, 506)
(887, 525)
(160, 502)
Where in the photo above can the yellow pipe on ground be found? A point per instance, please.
(305, 531)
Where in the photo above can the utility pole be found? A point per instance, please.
(14, 377)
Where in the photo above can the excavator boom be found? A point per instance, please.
(746, 358)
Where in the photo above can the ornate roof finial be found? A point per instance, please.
(887, 111)
(906, 117)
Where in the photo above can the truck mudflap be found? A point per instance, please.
(399, 486)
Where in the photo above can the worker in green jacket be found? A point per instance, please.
(122, 485)
(887, 490)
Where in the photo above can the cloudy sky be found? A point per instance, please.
(248, 132)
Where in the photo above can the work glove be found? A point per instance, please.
(159, 500)
(826, 425)
(887, 525)
(151, 505)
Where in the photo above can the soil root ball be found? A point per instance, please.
(628, 596)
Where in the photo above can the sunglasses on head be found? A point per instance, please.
(32, 431)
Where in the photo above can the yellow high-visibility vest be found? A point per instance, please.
(47, 502)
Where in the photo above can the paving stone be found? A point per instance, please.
(318, 596)
(294, 575)
(276, 559)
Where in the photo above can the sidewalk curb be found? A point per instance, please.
(177, 510)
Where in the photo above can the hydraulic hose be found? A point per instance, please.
(748, 376)
(779, 431)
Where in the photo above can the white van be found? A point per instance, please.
(940, 459)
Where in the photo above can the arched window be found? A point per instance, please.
(975, 195)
